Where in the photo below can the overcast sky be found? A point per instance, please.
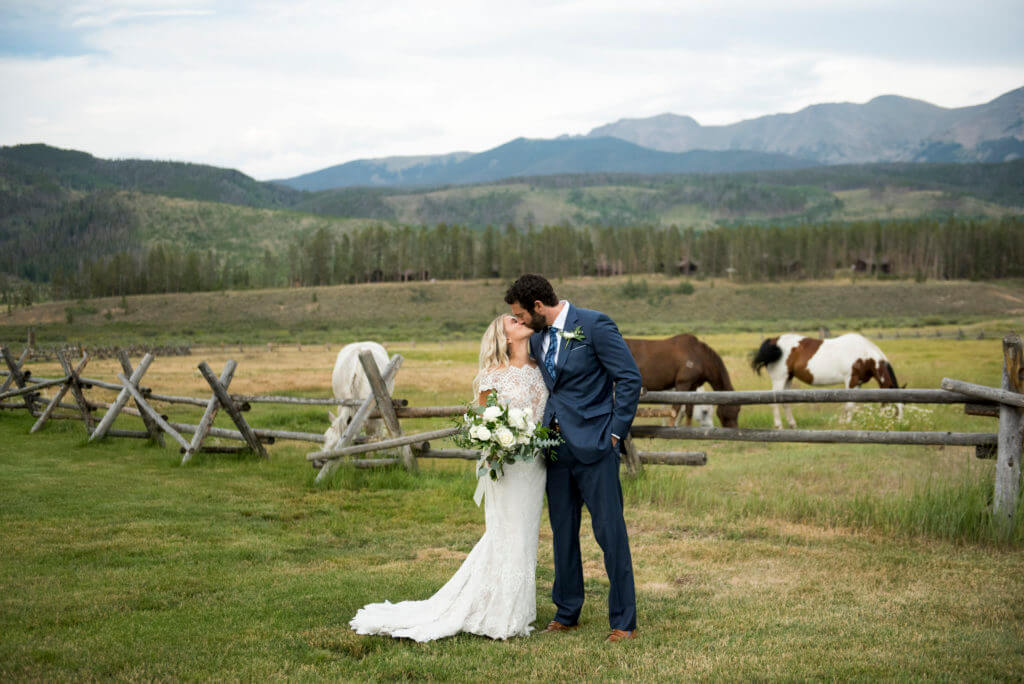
(276, 89)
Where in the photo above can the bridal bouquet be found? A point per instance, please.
(503, 435)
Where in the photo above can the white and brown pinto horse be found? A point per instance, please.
(684, 363)
(851, 359)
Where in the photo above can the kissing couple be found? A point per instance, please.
(562, 363)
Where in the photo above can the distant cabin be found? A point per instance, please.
(687, 266)
(605, 267)
(868, 265)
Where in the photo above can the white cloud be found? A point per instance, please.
(276, 90)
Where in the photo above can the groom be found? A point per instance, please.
(581, 354)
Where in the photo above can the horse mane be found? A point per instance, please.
(719, 379)
(892, 375)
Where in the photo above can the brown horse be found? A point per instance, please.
(683, 363)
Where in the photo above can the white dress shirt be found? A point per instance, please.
(560, 325)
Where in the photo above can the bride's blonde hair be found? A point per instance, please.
(493, 350)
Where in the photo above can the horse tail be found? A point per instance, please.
(769, 353)
(892, 375)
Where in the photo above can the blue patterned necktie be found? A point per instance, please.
(549, 357)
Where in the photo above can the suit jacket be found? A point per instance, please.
(580, 395)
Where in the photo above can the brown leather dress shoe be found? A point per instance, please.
(556, 626)
(621, 635)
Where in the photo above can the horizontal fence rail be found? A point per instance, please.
(816, 436)
(808, 396)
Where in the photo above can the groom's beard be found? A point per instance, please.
(537, 322)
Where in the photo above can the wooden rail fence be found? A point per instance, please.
(19, 390)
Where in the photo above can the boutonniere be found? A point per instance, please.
(568, 335)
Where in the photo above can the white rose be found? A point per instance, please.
(516, 418)
(528, 414)
(492, 412)
(482, 433)
(523, 439)
(504, 437)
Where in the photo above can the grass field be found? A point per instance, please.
(772, 561)
(459, 310)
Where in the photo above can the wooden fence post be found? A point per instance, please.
(72, 381)
(76, 388)
(145, 408)
(386, 406)
(108, 418)
(209, 414)
(633, 465)
(17, 376)
(222, 396)
(1011, 435)
(151, 427)
(11, 376)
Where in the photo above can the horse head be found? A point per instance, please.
(703, 415)
(729, 415)
(338, 424)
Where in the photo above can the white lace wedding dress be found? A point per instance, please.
(493, 593)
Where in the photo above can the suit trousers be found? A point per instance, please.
(570, 485)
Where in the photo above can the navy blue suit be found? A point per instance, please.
(586, 467)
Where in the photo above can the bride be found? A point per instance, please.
(493, 593)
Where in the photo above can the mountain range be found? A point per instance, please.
(524, 157)
(889, 128)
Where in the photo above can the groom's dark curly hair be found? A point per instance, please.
(530, 288)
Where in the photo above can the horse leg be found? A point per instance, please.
(776, 416)
(684, 385)
(788, 407)
(848, 408)
(677, 414)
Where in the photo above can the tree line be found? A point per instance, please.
(921, 248)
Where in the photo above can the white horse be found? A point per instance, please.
(349, 382)
(851, 359)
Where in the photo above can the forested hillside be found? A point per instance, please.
(95, 227)
(920, 248)
(699, 200)
(83, 172)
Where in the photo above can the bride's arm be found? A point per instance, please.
(482, 399)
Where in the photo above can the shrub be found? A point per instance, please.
(634, 290)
